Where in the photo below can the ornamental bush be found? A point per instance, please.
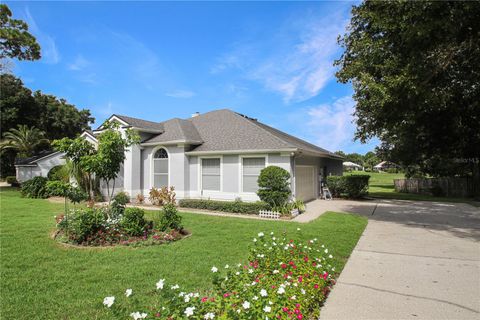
(351, 186)
(282, 279)
(133, 221)
(274, 187)
(237, 206)
(336, 185)
(170, 219)
(122, 198)
(35, 188)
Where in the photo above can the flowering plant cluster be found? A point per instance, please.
(99, 227)
(282, 279)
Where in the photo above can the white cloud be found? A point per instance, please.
(48, 46)
(79, 63)
(298, 62)
(180, 94)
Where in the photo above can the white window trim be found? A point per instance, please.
(240, 187)
(200, 173)
(152, 159)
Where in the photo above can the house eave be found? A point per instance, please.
(240, 151)
(161, 143)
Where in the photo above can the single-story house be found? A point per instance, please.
(352, 166)
(216, 155)
(38, 165)
(385, 165)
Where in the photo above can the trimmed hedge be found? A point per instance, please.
(352, 186)
(224, 206)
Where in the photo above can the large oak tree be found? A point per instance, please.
(415, 70)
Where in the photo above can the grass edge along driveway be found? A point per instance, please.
(42, 280)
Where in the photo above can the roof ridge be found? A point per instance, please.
(124, 116)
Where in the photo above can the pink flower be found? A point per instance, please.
(300, 279)
(285, 309)
(299, 316)
(284, 265)
(316, 286)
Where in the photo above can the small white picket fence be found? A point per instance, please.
(269, 214)
(274, 214)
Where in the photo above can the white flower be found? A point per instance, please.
(237, 273)
(267, 309)
(293, 297)
(326, 250)
(298, 229)
(254, 239)
(214, 269)
(261, 234)
(227, 266)
(128, 292)
(253, 283)
(281, 290)
(270, 302)
(255, 298)
(275, 271)
(302, 291)
(263, 293)
(273, 238)
(186, 298)
(108, 301)
(330, 256)
(239, 265)
(246, 305)
(181, 294)
(175, 287)
(137, 315)
(189, 311)
(209, 315)
(160, 284)
(250, 270)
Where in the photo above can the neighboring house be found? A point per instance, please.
(347, 165)
(38, 165)
(385, 165)
(216, 155)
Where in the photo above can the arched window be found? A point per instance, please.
(160, 168)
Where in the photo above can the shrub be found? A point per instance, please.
(274, 186)
(162, 196)
(336, 185)
(391, 170)
(356, 186)
(282, 279)
(122, 198)
(225, 206)
(83, 224)
(12, 180)
(35, 188)
(133, 221)
(140, 198)
(57, 188)
(170, 219)
(59, 173)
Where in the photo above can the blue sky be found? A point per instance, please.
(158, 60)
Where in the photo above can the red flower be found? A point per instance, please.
(285, 309)
(305, 259)
(316, 286)
(300, 279)
(299, 316)
(284, 265)
(204, 299)
(226, 295)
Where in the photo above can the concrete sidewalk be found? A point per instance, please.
(415, 260)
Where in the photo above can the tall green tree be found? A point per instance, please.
(23, 140)
(415, 70)
(20, 106)
(15, 40)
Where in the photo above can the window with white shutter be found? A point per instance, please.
(251, 168)
(211, 174)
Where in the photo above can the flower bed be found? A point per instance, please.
(283, 279)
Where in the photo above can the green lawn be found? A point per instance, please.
(381, 186)
(42, 280)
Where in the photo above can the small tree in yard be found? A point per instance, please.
(274, 186)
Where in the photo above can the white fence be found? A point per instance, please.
(269, 214)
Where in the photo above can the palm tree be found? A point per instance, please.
(24, 140)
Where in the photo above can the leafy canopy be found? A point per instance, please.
(414, 67)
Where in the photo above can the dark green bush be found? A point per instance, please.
(35, 188)
(352, 186)
(122, 198)
(59, 173)
(83, 224)
(170, 219)
(133, 221)
(356, 186)
(57, 188)
(225, 206)
(336, 185)
(12, 180)
(274, 187)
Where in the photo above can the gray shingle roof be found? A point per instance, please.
(33, 159)
(140, 123)
(177, 130)
(224, 130)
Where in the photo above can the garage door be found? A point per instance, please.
(305, 183)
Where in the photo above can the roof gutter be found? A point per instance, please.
(248, 151)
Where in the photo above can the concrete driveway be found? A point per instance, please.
(415, 260)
